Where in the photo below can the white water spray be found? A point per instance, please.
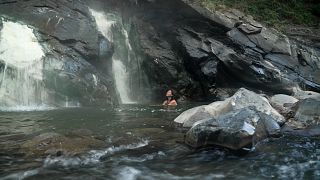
(21, 60)
(120, 72)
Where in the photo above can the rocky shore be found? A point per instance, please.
(241, 121)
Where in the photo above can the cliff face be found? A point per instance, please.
(198, 52)
(182, 46)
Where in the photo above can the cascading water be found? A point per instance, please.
(21, 68)
(113, 30)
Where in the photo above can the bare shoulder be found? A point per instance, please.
(173, 103)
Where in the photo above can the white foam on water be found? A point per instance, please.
(145, 157)
(131, 173)
(120, 71)
(93, 157)
(21, 175)
(26, 108)
(128, 173)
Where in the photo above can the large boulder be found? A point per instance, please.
(241, 99)
(234, 130)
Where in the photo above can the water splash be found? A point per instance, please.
(93, 157)
(21, 175)
(21, 57)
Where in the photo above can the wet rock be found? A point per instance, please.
(209, 68)
(251, 69)
(282, 100)
(284, 60)
(234, 130)
(56, 145)
(302, 131)
(308, 112)
(222, 94)
(241, 99)
(299, 94)
(164, 67)
(284, 104)
(240, 38)
(189, 117)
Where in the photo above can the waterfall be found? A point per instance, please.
(21, 68)
(112, 29)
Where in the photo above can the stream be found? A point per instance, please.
(143, 143)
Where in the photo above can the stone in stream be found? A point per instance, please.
(234, 130)
(56, 145)
(241, 99)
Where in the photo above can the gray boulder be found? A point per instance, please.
(241, 99)
(189, 117)
(308, 112)
(281, 100)
(234, 130)
(284, 104)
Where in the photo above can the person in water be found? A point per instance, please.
(170, 101)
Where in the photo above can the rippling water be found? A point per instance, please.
(142, 143)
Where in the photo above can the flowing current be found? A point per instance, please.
(139, 142)
(113, 30)
(21, 68)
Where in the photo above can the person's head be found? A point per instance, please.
(169, 94)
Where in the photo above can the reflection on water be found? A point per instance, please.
(142, 143)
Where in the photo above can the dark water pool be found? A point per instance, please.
(149, 149)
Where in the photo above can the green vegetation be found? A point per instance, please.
(274, 13)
